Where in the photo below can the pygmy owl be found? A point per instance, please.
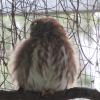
(46, 60)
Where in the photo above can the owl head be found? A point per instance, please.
(45, 27)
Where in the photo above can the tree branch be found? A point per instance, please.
(76, 92)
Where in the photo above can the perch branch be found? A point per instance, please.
(76, 92)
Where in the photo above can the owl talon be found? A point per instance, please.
(47, 92)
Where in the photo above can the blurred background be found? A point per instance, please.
(81, 20)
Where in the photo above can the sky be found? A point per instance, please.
(51, 4)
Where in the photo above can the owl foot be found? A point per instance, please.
(47, 92)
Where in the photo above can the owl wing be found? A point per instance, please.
(20, 62)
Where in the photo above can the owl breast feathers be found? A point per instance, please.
(46, 60)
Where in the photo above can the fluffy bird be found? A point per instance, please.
(46, 60)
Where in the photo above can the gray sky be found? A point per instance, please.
(51, 4)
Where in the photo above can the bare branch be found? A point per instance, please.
(76, 92)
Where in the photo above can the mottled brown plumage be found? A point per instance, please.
(46, 60)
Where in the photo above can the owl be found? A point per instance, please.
(46, 60)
